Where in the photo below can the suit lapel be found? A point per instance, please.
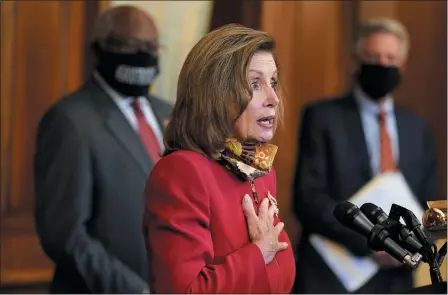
(154, 109)
(157, 110)
(120, 128)
(355, 132)
(117, 124)
(404, 139)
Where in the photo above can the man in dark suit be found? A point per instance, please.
(95, 149)
(346, 141)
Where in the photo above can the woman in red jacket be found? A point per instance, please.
(211, 216)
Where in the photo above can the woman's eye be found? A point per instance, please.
(274, 84)
(255, 85)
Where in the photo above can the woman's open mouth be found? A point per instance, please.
(266, 122)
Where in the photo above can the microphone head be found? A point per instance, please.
(345, 212)
(374, 213)
(366, 208)
(349, 215)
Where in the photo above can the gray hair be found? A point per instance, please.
(382, 25)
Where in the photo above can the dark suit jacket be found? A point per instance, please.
(90, 171)
(333, 164)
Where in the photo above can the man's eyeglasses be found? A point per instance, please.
(129, 45)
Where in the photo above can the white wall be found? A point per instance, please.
(181, 24)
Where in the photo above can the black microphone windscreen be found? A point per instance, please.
(368, 208)
(374, 213)
(345, 212)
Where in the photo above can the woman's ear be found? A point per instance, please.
(165, 123)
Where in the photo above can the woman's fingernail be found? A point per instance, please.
(246, 198)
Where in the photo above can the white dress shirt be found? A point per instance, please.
(124, 105)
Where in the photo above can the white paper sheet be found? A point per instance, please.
(384, 190)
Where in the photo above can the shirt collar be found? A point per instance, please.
(368, 104)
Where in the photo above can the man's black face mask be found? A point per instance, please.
(377, 80)
(130, 74)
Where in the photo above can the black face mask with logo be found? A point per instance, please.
(377, 80)
(130, 74)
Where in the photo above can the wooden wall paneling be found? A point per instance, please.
(280, 20)
(73, 50)
(42, 59)
(40, 63)
(425, 81)
(371, 9)
(311, 40)
(92, 10)
(349, 30)
(8, 10)
(101, 6)
(247, 13)
(424, 86)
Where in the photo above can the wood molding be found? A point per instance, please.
(29, 288)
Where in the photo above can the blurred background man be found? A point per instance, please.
(348, 140)
(95, 149)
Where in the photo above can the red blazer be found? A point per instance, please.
(197, 236)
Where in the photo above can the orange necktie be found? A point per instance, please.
(387, 162)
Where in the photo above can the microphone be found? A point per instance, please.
(399, 231)
(350, 216)
(378, 238)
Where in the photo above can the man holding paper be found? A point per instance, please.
(347, 141)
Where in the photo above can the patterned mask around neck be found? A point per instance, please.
(247, 160)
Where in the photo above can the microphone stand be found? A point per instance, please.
(376, 242)
(429, 251)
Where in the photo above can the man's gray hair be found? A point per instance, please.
(382, 25)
